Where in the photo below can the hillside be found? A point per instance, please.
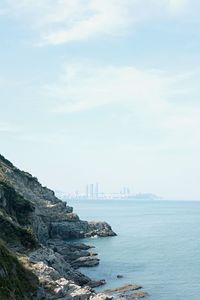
(36, 261)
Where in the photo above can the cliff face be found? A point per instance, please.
(51, 218)
(34, 224)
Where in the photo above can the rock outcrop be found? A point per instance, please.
(51, 217)
(128, 291)
(34, 225)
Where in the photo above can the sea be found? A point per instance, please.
(157, 245)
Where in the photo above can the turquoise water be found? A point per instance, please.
(158, 245)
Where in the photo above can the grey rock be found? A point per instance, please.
(85, 261)
(129, 292)
(80, 229)
(48, 223)
(59, 264)
(101, 229)
(101, 296)
(57, 287)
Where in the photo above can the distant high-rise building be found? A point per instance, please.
(91, 190)
(125, 191)
(87, 191)
(96, 190)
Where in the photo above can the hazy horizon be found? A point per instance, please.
(102, 91)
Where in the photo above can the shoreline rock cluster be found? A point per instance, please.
(127, 291)
(34, 227)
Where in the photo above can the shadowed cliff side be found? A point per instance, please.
(16, 282)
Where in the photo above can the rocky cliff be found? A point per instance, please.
(36, 262)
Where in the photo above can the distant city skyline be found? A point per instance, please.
(103, 91)
(92, 192)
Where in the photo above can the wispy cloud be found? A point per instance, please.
(84, 87)
(152, 99)
(178, 6)
(8, 128)
(59, 22)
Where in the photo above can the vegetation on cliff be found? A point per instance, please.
(14, 218)
(16, 282)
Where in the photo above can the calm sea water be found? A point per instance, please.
(158, 245)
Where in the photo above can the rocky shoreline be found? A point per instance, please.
(128, 291)
(34, 227)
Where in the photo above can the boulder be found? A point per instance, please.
(120, 276)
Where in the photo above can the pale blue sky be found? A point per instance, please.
(103, 90)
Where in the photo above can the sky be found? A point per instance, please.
(102, 91)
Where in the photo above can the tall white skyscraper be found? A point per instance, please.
(96, 190)
(91, 190)
(87, 191)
